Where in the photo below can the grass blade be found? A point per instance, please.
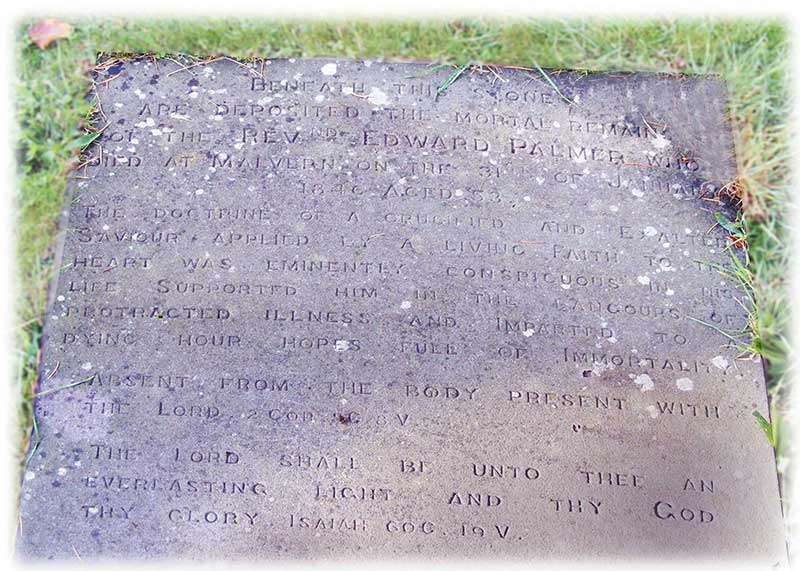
(451, 79)
(553, 85)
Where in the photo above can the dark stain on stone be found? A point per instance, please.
(115, 69)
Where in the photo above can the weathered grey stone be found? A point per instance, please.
(324, 311)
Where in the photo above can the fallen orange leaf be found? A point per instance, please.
(47, 31)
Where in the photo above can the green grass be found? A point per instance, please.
(752, 56)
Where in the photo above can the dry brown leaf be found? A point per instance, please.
(47, 31)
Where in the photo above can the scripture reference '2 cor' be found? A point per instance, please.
(314, 308)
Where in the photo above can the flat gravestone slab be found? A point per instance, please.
(317, 309)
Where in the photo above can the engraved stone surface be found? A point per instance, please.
(314, 308)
